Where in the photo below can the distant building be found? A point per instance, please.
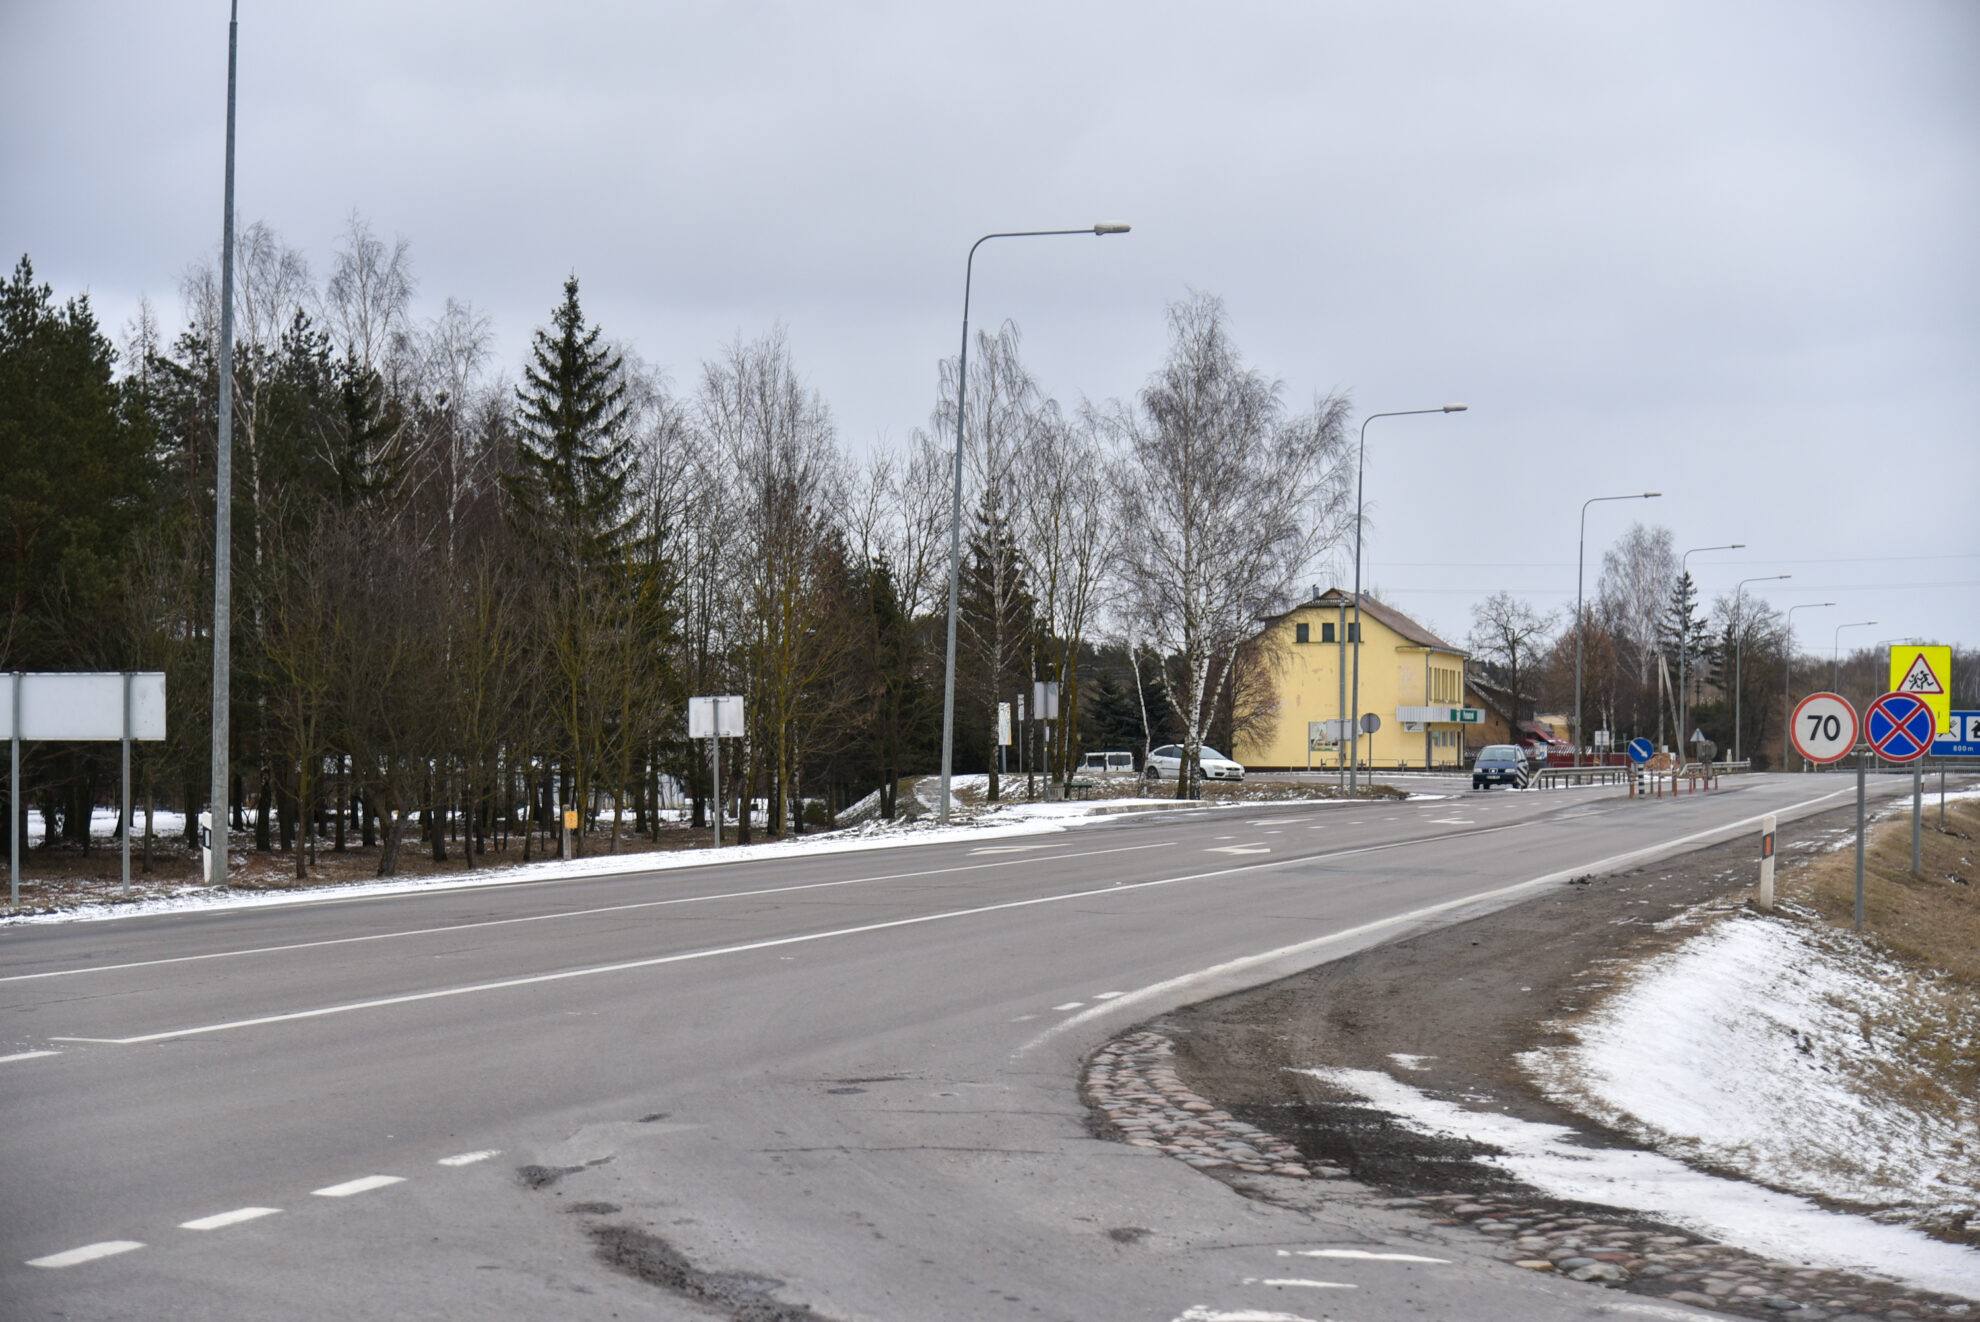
(1410, 678)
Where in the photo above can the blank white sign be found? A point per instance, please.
(84, 705)
(711, 718)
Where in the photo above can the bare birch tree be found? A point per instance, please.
(1224, 503)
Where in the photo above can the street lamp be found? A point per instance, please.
(1579, 553)
(1835, 653)
(955, 508)
(223, 501)
(1787, 677)
(1684, 641)
(1739, 645)
(1354, 729)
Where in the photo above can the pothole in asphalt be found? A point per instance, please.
(738, 1296)
(542, 1177)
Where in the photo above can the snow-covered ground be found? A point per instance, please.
(103, 825)
(1552, 1158)
(1788, 1052)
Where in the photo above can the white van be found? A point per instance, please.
(1107, 764)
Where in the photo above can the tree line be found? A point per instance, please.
(465, 602)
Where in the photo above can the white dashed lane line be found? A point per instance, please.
(1069, 1005)
(87, 1253)
(1300, 1281)
(233, 1218)
(364, 1184)
(28, 1055)
(469, 1158)
(1358, 1255)
(1255, 847)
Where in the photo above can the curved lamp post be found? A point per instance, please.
(1353, 731)
(1739, 644)
(1787, 677)
(1684, 640)
(1580, 551)
(1835, 651)
(955, 508)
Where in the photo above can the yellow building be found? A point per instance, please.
(1410, 678)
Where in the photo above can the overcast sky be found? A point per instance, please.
(1723, 250)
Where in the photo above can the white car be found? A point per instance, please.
(1165, 763)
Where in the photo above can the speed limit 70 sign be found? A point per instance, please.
(1823, 728)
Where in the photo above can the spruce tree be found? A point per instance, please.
(573, 439)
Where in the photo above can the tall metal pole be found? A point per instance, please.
(955, 507)
(1787, 677)
(1739, 643)
(127, 782)
(14, 821)
(1835, 652)
(1684, 640)
(223, 492)
(1360, 459)
(1580, 554)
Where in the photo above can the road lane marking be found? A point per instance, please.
(1358, 1255)
(945, 915)
(1453, 821)
(469, 1158)
(574, 913)
(1007, 849)
(1245, 963)
(1105, 996)
(1299, 1280)
(1256, 847)
(363, 1184)
(87, 1253)
(28, 1055)
(1069, 1005)
(233, 1218)
(1205, 1313)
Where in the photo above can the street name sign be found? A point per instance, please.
(1964, 741)
(1641, 750)
(1900, 727)
(1823, 727)
(1925, 672)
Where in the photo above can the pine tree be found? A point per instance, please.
(574, 442)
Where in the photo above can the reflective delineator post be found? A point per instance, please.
(1765, 897)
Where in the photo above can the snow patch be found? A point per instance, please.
(1556, 1160)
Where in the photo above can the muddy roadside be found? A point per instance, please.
(1451, 1010)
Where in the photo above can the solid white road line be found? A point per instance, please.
(469, 1158)
(87, 1253)
(1358, 1255)
(364, 1184)
(572, 913)
(233, 1218)
(28, 1055)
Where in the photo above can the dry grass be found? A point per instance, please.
(1930, 922)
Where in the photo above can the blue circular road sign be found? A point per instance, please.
(1641, 750)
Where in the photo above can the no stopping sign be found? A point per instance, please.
(1823, 727)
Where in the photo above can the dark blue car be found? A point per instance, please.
(1499, 764)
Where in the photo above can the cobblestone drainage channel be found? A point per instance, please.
(1132, 1085)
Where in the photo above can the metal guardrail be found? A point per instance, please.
(1554, 777)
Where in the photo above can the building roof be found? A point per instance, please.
(1388, 616)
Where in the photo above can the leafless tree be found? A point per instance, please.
(1510, 631)
(1224, 503)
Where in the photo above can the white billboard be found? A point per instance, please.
(85, 705)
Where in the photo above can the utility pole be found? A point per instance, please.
(223, 492)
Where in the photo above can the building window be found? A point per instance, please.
(1326, 633)
(1300, 632)
(1354, 632)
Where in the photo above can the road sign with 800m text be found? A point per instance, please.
(1823, 727)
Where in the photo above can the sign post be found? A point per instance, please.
(96, 706)
(1861, 759)
(715, 719)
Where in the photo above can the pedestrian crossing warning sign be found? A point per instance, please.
(1925, 673)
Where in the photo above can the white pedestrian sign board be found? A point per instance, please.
(1823, 727)
(715, 717)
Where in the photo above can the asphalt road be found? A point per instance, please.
(851, 1075)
